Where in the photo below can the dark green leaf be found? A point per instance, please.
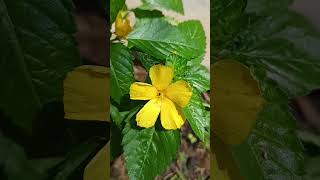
(173, 5)
(142, 13)
(197, 116)
(38, 49)
(283, 47)
(160, 39)
(115, 7)
(272, 150)
(265, 6)
(116, 147)
(76, 159)
(312, 168)
(14, 163)
(147, 60)
(121, 70)
(148, 151)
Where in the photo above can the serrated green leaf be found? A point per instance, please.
(194, 34)
(196, 116)
(39, 55)
(173, 5)
(272, 150)
(283, 47)
(198, 77)
(121, 71)
(160, 39)
(225, 21)
(148, 151)
(115, 7)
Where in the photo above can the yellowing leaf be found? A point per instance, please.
(223, 166)
(99, 167)
(236, 101)
(86, 93)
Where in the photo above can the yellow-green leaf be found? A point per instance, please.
(236, 101)
(86, 93)
(99, 167)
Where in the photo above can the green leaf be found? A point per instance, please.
(115, 7)
(293, 63)
(196, 116)
(121, 71)
(14, 163)
(147, 60)
(118, 119)
(35, 55)
(173, 5)
(195, 36)
(142, 13)
(160, 39)
(272, 150)
(225, 21)
(312, 168)
(148, 151)
(76, 159)
(198, 77)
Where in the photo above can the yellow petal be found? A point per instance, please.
(161, 76)
(99, 167)
(86, 93)
(148, 115)
(170, 117)
(236, 101)
(179, 92)
(142, 91)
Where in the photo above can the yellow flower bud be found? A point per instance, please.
(122, 24)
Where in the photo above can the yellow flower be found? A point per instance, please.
(164, 97)
(122, 24)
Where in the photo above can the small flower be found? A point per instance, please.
(122, 24)
(164, 98)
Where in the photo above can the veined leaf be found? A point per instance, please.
(196, 116)
(121, 71)
(272, 151)
(148, 151)
(39, 53)
(160, 39)
(198, 77)
(194, 34)
(86, 93)
(173, 5)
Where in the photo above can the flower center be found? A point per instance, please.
(161, 94)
